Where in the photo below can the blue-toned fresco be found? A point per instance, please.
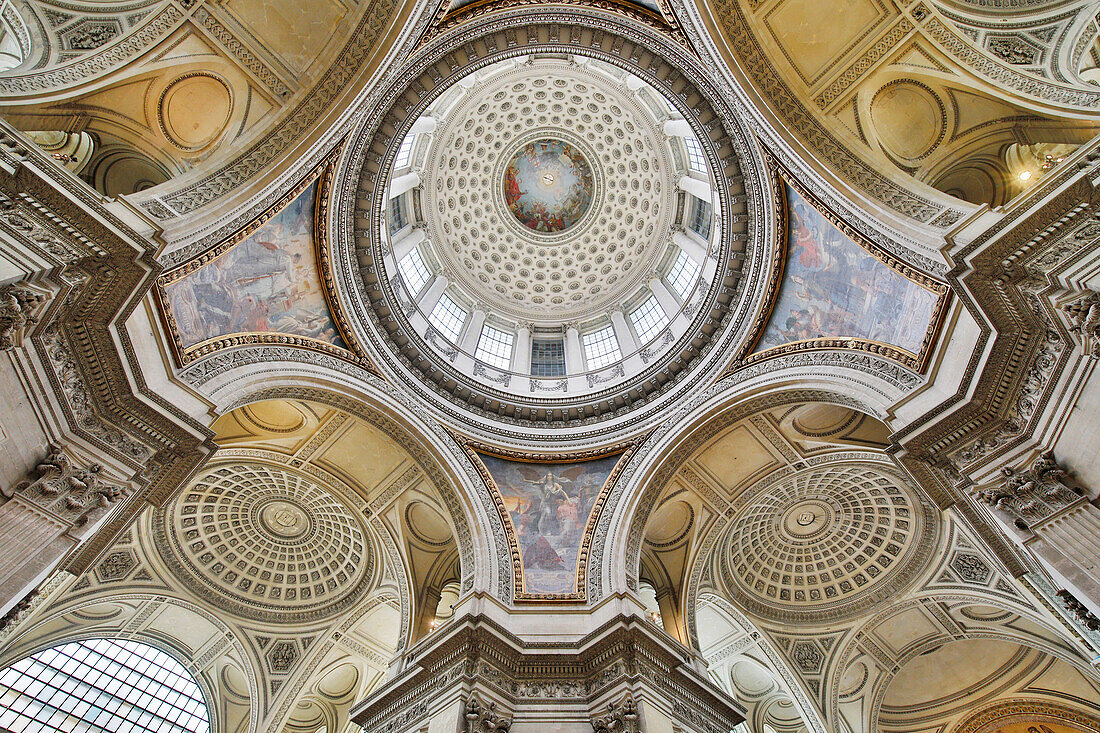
(549, 504)
(266, 283)
(832, 287)
(548, 185)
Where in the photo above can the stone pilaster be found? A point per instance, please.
(1060, 525)
(44, 517)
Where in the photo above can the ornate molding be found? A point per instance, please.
(75, 493)
(1033, 495)
(20, 307)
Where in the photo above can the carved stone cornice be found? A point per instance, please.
(1022, 350)
(605, 678)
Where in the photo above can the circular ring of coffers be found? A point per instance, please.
(722, 321)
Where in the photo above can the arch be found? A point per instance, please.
(849, 649)
(127, 616)
(669, 445)
(135, 666)
(425, 440)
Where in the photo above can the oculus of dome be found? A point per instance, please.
(548, 185)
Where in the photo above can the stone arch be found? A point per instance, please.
(426, 441)
(1038, 634)
(208, 670)
(664, 450)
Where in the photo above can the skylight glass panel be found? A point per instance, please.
(404, 153)
(495, 347)
(448, 317)
(696, 160)
(601, 348)
(547, 358)
(648, 319)
(101, 686)
(414, 271)
(684, 273)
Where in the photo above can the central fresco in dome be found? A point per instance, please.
(548, 185)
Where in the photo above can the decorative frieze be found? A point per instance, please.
(611, 680)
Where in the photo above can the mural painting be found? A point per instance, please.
(549, 505)
(266, 283)
(548, 185)
(832, 287)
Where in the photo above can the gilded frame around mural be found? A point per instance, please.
(473, 449)
(918, 362)
(322, 175)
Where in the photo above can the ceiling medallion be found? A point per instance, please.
(548, 185)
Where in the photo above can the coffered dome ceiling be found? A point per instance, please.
(264, 540)
(549, 190)
(825, 542)
(552, 198)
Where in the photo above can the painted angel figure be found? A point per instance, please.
(551, 495)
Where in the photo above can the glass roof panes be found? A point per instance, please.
(448, 317)
(648, 319)
(65, 690)
(684, 273)
(601, 348)
(414, 271)
(495, 347)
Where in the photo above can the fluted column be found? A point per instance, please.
(468, 340)
(1061, 526)
(691, 246)
(44, 517)
(627, 343)
(521, 349)
(433, 293)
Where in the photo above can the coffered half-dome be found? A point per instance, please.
(554, 242)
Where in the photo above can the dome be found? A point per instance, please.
(553, 243)
(548, 191)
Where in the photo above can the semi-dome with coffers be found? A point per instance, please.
(825, 540)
